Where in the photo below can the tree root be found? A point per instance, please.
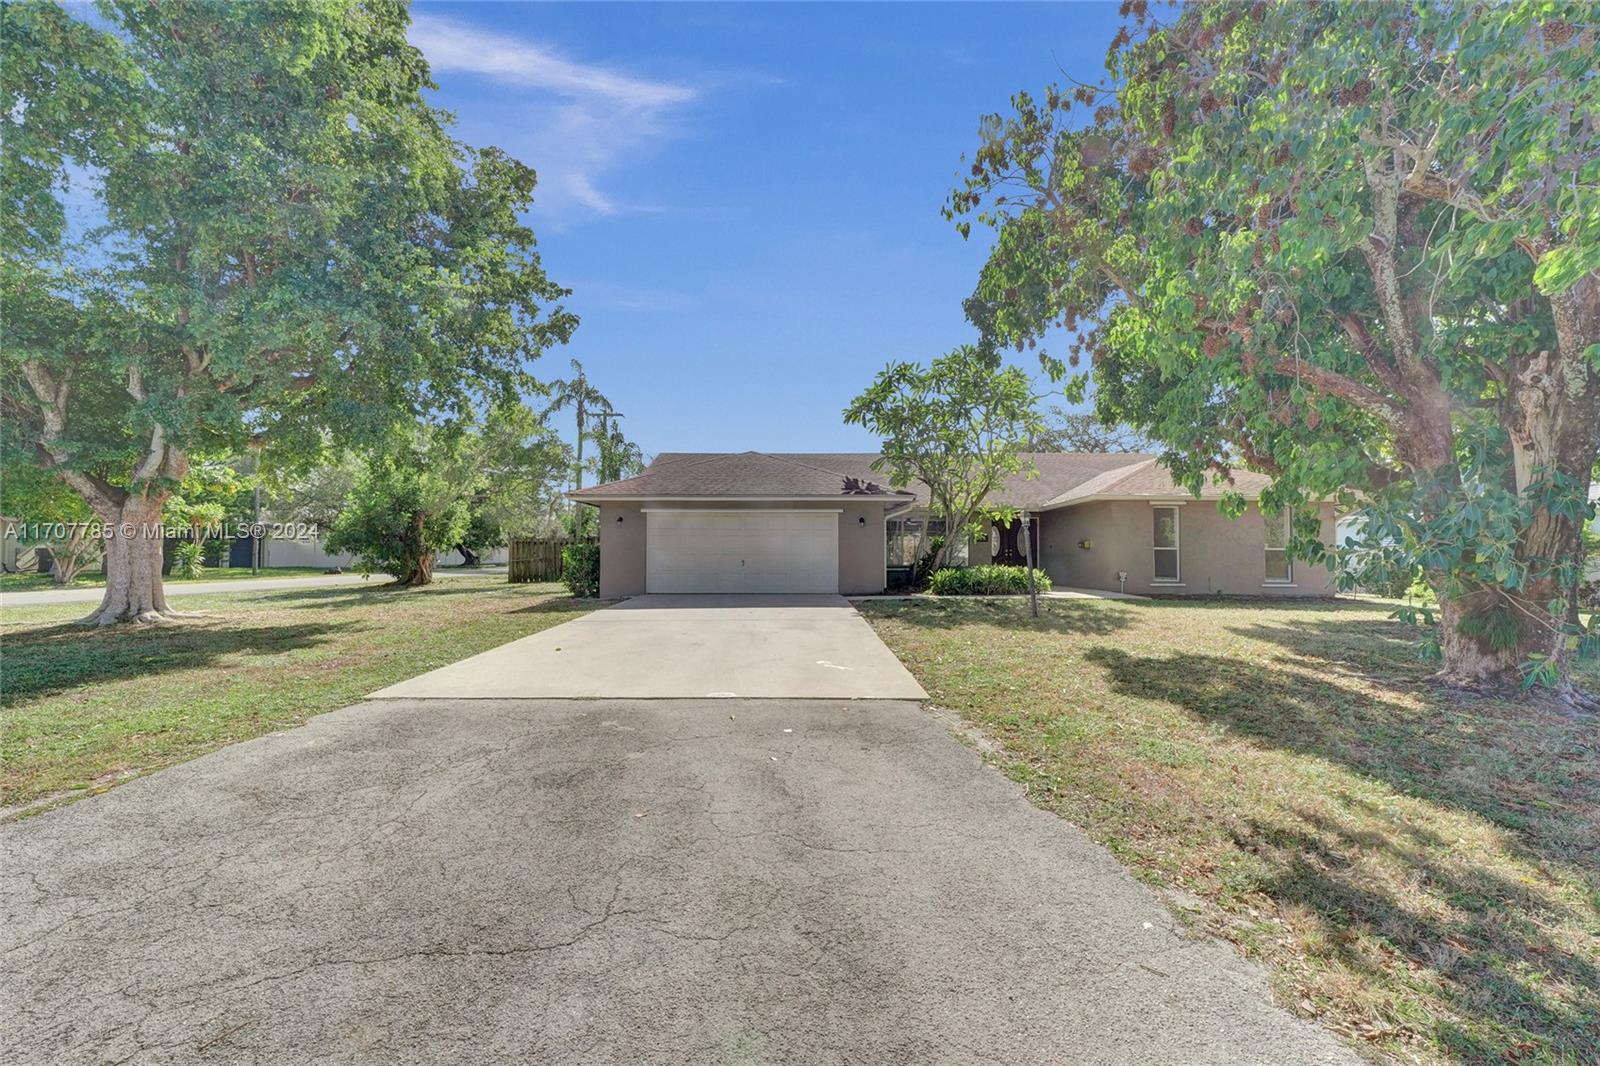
(104, 618)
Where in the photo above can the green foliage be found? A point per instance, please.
(32, 495)
(51, 516)
(214, 494)
(580, 568)
(1073, 431)
(411, 500)
(959, 425)
(523, 464)
(293, 250)
(987, 580)
(617, 458)
(188, 559)
(1349, 245)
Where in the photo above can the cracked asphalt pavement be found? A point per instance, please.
(670, 881)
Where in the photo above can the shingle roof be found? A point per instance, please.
(1148, 478)
(740, 474)
(1062, 478)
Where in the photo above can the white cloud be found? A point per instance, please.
(577, 120)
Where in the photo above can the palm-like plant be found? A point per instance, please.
(584, 399)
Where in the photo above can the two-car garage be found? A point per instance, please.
(741, 551)
(745, 523)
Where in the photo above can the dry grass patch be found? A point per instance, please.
(1420, 871)
(82, 709)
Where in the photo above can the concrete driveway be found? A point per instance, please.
(686, 881)
(675, 647)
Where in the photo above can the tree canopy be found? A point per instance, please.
(291, 248)
(958, 425)
(1079, 431)
(1355, 246)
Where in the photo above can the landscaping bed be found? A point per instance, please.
(1420, 870)
(81, 709)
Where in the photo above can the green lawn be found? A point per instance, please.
(81, 709)
(1419, 871)
(95, 579)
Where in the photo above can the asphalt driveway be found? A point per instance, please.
(673, 881)
(677, 647)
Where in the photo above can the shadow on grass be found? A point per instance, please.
(1080, 617)
(384, 592)
(1486, 934)
(1509, 982)
(41, 662)
(1533, 773)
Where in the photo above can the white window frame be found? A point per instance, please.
(1285, 518)
(1177, 541)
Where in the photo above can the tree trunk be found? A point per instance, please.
(68, 561)
(421, 571)
(133, 550)
(1553, 421)
(468, 556)
(1470, 659)
(1027, 559)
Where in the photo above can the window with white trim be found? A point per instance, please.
(1165, 539)
(1280, 568)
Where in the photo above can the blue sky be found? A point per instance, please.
(745, 198)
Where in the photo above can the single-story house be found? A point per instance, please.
(827, 522)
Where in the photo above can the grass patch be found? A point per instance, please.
(1420, 871)
(80, 708)
(95, 579)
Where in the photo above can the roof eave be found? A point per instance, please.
(1136, 497)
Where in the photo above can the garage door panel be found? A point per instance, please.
(742, 551)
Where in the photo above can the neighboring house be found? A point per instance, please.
(818, 522)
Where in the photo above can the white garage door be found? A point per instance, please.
(741, 551)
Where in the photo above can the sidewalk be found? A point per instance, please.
(93, 593)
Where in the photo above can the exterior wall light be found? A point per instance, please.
(862, 520)
(1086, 544)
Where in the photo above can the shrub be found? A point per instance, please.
(399, 514)
(580, 568)
(189, 559)
(989, 580)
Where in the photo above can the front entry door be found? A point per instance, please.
(1010, 551)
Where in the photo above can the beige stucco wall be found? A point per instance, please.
(621, 550)
(861, 545)
(1216, 555)
(862, 542)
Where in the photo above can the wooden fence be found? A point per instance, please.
(536, 560)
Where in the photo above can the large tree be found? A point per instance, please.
(288, 245)
(1082, 431)
(1356, 246)
(522, 465)
(958, 425)
(411, 500)
(49, 515)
